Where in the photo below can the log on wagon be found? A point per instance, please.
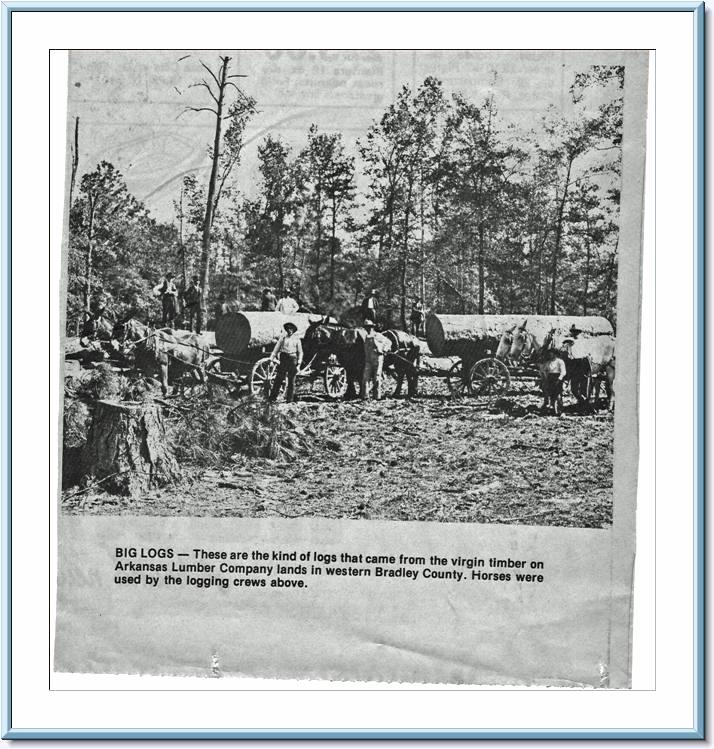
(246, 341)
(477, 341)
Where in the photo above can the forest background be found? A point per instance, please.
(489, 184)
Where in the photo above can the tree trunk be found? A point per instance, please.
(451, 335)
(127, 450)
(75, 159)
(210, 205)
(318, 247)
(405, 258)
(333, 248)
(586, 283)
(239, 334)
(481, 279)
(558, 237)
(422, 253)
(89, 258)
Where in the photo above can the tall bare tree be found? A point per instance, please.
(228, 102)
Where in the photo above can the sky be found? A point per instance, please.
(132, 104)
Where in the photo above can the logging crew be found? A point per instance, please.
(369, 306)
(288, 354)
(169, 300)
(375, 346)
(268, 301)
(287, 304)
(193, 304)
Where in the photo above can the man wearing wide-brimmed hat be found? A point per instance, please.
(375, 346)
(288, 354)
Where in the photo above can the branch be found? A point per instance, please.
(212, 74)
(199, 109)
(236, 75)
(207, 87)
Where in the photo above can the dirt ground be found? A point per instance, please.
(435, 459)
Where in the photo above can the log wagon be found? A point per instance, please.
(246, 341)
(483, 365)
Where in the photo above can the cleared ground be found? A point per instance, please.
(433, 459)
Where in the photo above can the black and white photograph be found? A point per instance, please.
(363, 285)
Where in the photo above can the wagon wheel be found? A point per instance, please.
(455, 379)
(335, 379)
(262, 377)
(218, 373)
(489, 377)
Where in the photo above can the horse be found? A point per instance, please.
(324, 338)
(504, 344)
(402, 362)
(591, 360)
(95, 327)
(158, 351)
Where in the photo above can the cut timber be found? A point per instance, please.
(402, 340)
(238, 332)
(452, 335)
(127, 450)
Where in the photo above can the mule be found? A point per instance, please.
(158, 351)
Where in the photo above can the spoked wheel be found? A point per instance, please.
(455, 379)
(262, 377)
(335, 379)
(489, 377)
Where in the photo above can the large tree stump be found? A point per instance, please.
(127, 450)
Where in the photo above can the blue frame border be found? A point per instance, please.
(690, 6)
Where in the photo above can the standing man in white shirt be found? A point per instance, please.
(369, 306)
(553, 373)
(288, 355)
(287, 304)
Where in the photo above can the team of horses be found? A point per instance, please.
(172, 354)
(589, 361)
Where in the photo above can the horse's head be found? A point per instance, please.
(129, 329)
(504, 345)
(547, 346)
(522, 343)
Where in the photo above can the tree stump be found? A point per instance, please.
(127, 450)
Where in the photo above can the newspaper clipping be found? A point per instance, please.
(350, 363)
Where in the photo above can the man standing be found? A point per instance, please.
(287, 305)
(417, 316)
(169, 300)
(553, 373)
(369, 306)
(193, 304)
(268, 301)
(288, 354)
(375, 346)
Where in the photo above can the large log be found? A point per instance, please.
(401, 340)
(452, 335)
(126, 448)
(238, 332)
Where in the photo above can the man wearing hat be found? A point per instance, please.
(169, 299)
(375, 346)
(193, 304)
(288, 354)
(369, 306)
(268, 301)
